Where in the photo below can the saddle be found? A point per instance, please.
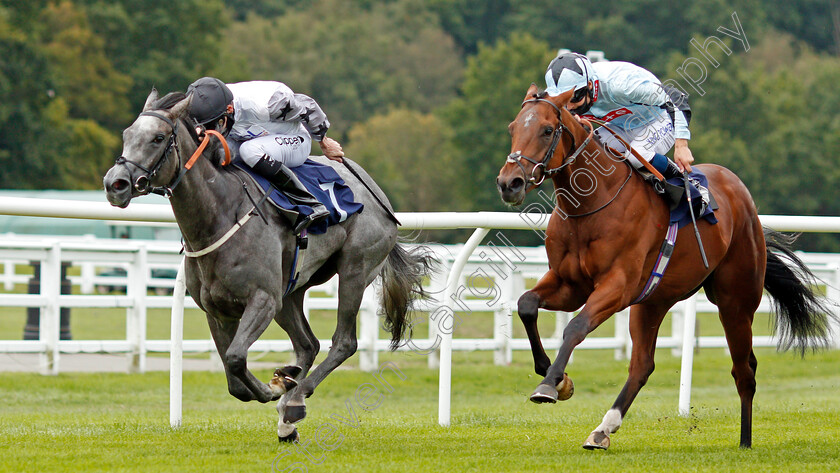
(673, 191)
(321, 181)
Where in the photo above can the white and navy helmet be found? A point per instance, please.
(569, 71)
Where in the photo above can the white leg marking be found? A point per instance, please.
(281, 404)
(284, 429)
(611, 422)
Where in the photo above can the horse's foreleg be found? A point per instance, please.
(601, 305)
(528, 307)
(222, 333)
(304, 342)
(306, 346)
(644, 327)
(255, 319)
(545, 294)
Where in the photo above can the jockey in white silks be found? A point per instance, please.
(633, 102)
(270, 128)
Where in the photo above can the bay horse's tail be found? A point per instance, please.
(402, 283)
(802, 316)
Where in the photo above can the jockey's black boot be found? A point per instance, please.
(672, 170)
(288, 183)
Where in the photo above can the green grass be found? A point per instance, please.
(114, 422)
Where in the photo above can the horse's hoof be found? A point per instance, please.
(292, 437)
(544, 393)
(289, 370)
(566, 388)
(294, 414)
(597, 441)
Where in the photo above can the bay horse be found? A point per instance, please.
(603, 240)
(239, 279)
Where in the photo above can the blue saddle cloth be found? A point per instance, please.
(323, 182)
(680, 213)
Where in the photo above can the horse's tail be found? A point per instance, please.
(802, 316)
(402, 284)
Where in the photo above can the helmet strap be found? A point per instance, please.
(227, 126)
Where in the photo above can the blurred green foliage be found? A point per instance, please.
(421, 92)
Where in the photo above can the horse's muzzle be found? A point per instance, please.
(118, 188)
(512, 190)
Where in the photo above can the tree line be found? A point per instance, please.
(421, 91)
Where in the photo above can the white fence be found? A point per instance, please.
(489, 283)
(502, 269)
(492, 279)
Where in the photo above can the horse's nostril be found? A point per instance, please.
(517, 184)
(119, 184)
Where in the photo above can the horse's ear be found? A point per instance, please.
(180, 109)
(153, 96)
(563, 99)
(532, 91)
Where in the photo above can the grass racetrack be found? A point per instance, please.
(116, 422)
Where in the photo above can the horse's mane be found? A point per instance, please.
(168, 101)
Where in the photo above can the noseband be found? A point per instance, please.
(141, 184)
(517, 156)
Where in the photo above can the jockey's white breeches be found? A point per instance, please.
(291, 150)
(655, 137)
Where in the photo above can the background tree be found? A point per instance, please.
(353, 60)
(73, 73)
(410, 154)
(82, 73)
(24, 93)
(164, 44)
(495, 83)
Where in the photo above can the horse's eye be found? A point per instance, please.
(159, 138)
(548, 131)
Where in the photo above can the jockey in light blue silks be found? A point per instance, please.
(270, 128)
(650, 117)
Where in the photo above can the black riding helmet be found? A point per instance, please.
(210, 100)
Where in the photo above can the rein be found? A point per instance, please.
(167, 191)
(516, 156)
(141, 184)
(635, 153)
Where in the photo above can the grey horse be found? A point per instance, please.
(237, 269)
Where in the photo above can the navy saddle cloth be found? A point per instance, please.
(323, 182)
(680, 213)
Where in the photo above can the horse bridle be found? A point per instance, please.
(517, 156)
(141, 184)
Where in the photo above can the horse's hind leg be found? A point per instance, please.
(737, 292)
(644, 327)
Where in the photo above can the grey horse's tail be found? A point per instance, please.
(402, 283)
(802, 316)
